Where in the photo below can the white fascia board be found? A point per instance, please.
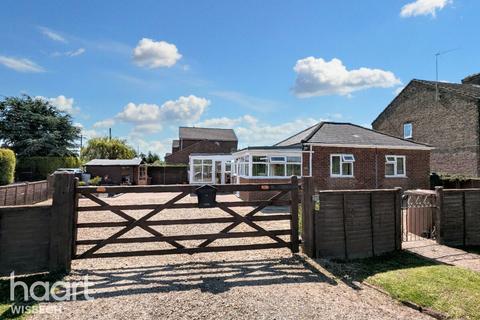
(362, 146)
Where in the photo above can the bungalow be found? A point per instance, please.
(337, 155)
(119, 171)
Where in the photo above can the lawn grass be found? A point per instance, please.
(6, 303)
(450, 290)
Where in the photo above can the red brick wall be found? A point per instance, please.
(365, 175)
(205, 146)
(260, 195)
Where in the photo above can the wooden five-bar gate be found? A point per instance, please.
(280, 194)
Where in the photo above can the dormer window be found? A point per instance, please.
(407, 130)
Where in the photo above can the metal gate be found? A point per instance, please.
(418, 215)
(281, 194)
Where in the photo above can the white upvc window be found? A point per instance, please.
(341, 165)
(395, 166)
(202, 170)
(408, 130)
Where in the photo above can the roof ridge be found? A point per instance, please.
(363, 128)
(296, 134)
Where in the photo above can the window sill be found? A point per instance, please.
(343, 177)
(396, 177)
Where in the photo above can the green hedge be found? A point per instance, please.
(38, 168)
(7, 166)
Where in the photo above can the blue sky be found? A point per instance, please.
(265, 68)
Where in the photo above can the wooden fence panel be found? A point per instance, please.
(452, 227)
(472, 217)
(329, 226)
(24, 193)
(354, 224)
(358, 225)
(383, 204)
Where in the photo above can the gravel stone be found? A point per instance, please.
(261, 284)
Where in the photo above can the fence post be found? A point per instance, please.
(439, 214)
(398, 218)
(308, 217)
(61, 223)
(294, 209)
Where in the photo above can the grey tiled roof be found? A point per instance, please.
(297, 138)
(469, 90)
(114, 162)
(339, 133)
(216, 134)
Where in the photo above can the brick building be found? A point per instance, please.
(194, 140)
(443, 115)
(338, 156)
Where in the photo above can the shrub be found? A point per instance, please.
(38, 168)
(7, 166)
(95, 181)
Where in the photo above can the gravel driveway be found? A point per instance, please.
(263, 284)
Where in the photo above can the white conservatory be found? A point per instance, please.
(210, 169)
(267, 163)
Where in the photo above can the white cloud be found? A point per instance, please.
(72, 53)
(52, 34)
(157, 146)
(107, 123)
(20, 65)
(62, 103)
(317, 77)
(251, 131)
(423, 8)
(184, 109)
(147, 128)
(155, 54)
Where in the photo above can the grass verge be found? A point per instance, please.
(5, 299)
(450, 290)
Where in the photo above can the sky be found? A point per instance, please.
(267, 69)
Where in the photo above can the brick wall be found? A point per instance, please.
(451, 125)
(182, 156)
(261, 195)
(369, 169)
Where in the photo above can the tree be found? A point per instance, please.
(151, 157)
(34, 127)
(106, 148)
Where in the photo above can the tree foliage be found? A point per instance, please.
(105, 148)
(34, 127)
(7, 166)
(150, 157)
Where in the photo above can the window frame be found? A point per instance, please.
(395, 166)
(405, 125)
(342, 161)
(287, 162)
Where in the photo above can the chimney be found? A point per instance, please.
(472, 79)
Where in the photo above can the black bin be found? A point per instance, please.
(206, 196)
